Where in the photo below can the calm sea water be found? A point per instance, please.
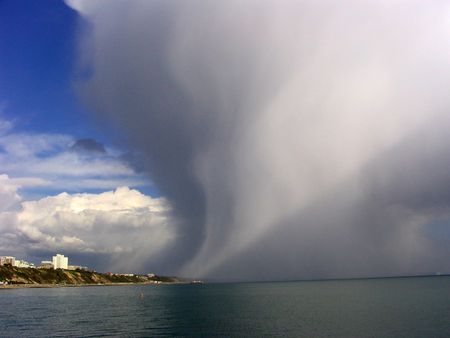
(403, 307)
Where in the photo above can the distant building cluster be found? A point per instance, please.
(58, 261)
(15, 262)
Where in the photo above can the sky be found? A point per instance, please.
(64, 186)
(231, 140)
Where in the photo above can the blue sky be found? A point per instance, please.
(38, 55)
(39, 49)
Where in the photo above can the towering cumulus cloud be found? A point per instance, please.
(292, 138)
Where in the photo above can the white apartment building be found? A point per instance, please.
(7, 260)
(60, 262)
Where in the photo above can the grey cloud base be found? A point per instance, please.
(292, 139)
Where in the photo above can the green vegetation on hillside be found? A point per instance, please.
(15, 275)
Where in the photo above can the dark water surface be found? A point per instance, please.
(400, 307)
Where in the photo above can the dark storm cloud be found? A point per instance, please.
(292, 138)
(379, 222)
(88, 145)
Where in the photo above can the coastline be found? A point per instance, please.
(47, 286)
(14, 277)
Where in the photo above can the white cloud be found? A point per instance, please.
(124, 224)
(46, 160)
(9, 201)
(29, 144)
(73, 165)
(96, 222)
(8, 193)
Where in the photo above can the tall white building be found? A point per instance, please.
(60, 262)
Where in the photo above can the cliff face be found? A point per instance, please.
(14, 275)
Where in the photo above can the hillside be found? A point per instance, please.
(14, 275)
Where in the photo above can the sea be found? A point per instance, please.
(390, 307)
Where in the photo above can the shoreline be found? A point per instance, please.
(15, 277)
(49, 286)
